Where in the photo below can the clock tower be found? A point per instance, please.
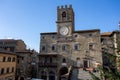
(65, 20)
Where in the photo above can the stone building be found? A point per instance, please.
(7, 65)
(12, 45)
(111, 48)
(66, 47)
(116, 43)
(23, 59)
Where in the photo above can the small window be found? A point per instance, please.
(75, 35)
(12, 69)
(64, 14)
(77, 47)
(90, 46)
(77, 58)
(64, 60)
(43, 48)
(7, 71)
(22, 58)
(63, 47)
(51, 60)
(2, 71)
(18, 61)
(102, 39)
(78, 61)
(4, 58)
(9, 59)
(53, 36)
(13, 60)
(53, 47)
(90, 34)
(43, 37)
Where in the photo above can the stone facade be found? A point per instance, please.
(12, 45)
(7, 65)
(72, 48)
(24, 64)
(110, 47)
(23, 59)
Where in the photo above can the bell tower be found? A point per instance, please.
(65, 20)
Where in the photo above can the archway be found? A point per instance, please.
(43, 75)
(62, 71)
(85, 62)
(78, 62)
(51, 75)
(21, 78)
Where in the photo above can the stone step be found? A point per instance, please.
(80, 74)
(84, 75)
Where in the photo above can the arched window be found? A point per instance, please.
(13, 59)
(78, 61)
(43, 48)
(77, 46)
(12, 69)
(64, 15)
(9, 59)
(2, 71)
(51, 60)
(53, 47)
(64, 60)
(63, 47)
(7, 71)
(4, 58)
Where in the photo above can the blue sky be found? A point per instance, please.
(26, 19)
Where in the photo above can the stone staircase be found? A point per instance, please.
(80, 74)
(84, 75)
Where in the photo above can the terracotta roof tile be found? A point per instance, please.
(106, 34)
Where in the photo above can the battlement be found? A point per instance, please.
(64, 7)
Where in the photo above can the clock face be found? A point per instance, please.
(64, 30)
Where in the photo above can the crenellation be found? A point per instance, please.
(70, 6)
(58, 7)
(64, 7)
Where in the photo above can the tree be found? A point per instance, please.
(111, 60)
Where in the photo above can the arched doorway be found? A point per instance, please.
(16, 78)
(51, 75)
(62, 71)
(78, 62)
(43, 75)
(85, 62)
(21, 78)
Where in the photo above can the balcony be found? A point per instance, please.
(47, 64)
